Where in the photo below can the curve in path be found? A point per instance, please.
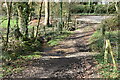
(72, 58)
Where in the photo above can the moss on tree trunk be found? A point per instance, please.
(23, 12)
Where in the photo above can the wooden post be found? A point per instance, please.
(111, 52)
(106, 52)
(108, 49)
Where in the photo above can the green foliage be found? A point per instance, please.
(53, 42)
(58, 37)
(106, 69)
(111, 8)
(97, 40)
(21, 53)
(30, 56)
(4, 24)
(15, 60)
(98, 9)
(12, 23)
(80, 9)
(7, 70)
(110, 23)
(20, 48)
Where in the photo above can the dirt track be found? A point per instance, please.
(72, 58)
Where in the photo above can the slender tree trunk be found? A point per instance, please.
(61, 22)
(9, 8)
(69, 12)
(39, 19)
(47, 13)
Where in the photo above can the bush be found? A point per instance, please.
(97, 40)
(111, 23)
(99, 9)
(77, 9)
(18, 48)
(112, 9)
(81, 9)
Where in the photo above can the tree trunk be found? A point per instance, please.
(61, 22)
(9, 7)
(47, 13)
(23, 12)
(39, 19)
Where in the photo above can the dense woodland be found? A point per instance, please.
(29, 29)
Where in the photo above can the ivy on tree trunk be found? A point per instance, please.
(23, 12)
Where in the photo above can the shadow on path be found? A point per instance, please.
(71, 59)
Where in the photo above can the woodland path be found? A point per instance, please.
(71, 59)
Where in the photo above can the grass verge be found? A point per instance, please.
(97, 43)
(19, 64)
(106, 69)
(59, 37)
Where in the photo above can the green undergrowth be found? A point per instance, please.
(59, 37)
(97, 43)
(22, 53)
(106, 69)
(111, 23)
(97, 40)
(97, 9)
(16, 59)
(5, 22)
(12, 23)
(20, 63)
